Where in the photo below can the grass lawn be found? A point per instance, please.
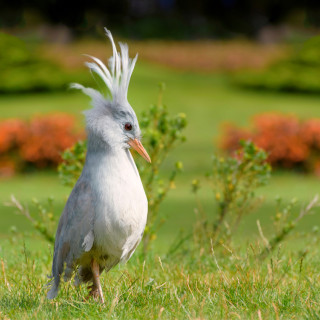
(182, 288)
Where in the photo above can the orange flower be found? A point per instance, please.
(38, 142)
(288, 140)
(48, 136)
(280, 135)
(12, 133)
(311, 132)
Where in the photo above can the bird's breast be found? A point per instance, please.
(121, 208)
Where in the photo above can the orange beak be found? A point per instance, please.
(137, 145)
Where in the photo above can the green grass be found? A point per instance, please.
(187, 285)
(191, 285)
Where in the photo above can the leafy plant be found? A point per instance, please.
(72, 163)
(161, 134)
(284, 221)
(41, 218)
(234, 181)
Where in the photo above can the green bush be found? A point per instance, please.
(234, 181)
(161, 134)
(22, 70)
(300, 72)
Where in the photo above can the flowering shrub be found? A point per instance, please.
(12, 133)
(290, 142)
(37, 142)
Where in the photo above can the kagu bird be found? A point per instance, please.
(106, 213)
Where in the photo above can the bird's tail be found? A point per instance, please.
(54, 287)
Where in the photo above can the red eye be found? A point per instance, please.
(128, 126)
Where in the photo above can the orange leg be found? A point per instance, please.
(96, 290)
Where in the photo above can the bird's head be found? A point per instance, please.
(112, 121)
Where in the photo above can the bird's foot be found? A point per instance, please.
(95, 294)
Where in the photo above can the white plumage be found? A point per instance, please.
(105, 215)
(121, 67)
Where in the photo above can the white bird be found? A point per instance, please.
(106, 213)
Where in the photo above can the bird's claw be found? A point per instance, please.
(94, 293)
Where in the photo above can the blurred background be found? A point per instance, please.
(237, 69)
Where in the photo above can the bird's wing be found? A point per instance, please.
(74, 234)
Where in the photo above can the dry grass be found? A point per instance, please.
(201, 56)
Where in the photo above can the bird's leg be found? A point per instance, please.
(96, 289)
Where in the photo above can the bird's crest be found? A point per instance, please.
(116, 76)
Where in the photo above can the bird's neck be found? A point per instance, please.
(101, 156)
(97, 145)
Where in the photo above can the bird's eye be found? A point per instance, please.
(128, 126)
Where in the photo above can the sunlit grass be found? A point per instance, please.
(187, 285)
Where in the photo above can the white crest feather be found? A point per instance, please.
(116, 77)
